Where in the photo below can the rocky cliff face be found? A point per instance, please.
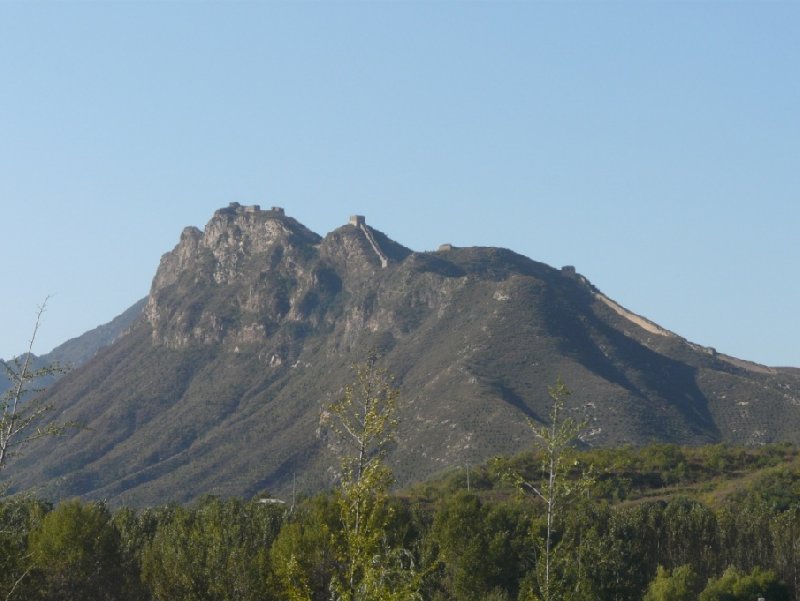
(252, 323)
(256, 277)
(236, 281)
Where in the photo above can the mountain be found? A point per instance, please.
(251, 326)
(77, 351)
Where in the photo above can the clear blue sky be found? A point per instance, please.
(655, 146)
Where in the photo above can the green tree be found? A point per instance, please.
(75, 554)
(785, 529)
(554, 489)
(371, 566)
(639, 535)
(678, 585)
(135, 531)
(458, 529)
(734, 585)
(691, 536)
(215, 551)
(596, 558)
(744, 532)
(18, 517)
(303, 555)
(478, 547)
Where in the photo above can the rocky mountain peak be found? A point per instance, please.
(360, 250)
(243, 230)
(251, 272)
(233, 279)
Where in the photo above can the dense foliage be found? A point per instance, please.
(661, 523)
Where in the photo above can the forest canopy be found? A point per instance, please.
(659, 523)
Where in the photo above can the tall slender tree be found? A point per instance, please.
(23, 413)
(365, 421)
(554, 441)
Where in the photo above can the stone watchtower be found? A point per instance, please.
(357, 220)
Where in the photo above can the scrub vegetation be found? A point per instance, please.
(660, 523)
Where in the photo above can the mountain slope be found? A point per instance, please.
(251, 325)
